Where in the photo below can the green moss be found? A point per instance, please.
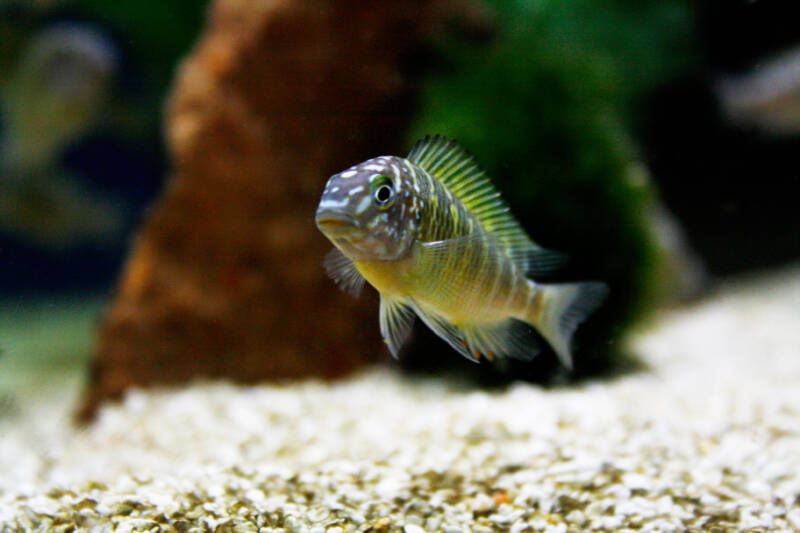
(548, 107)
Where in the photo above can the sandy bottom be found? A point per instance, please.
(707, 439)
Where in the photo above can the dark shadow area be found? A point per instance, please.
(734, 187)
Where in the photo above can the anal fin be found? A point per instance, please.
(507, 338)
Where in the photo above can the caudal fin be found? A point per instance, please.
(564, 307)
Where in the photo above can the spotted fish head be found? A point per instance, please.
(371, 211)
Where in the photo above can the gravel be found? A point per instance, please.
(707, 439)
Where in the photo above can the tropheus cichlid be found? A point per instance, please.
(433, 236)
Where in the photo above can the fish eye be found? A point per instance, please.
(383, 193)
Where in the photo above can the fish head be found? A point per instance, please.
(370, 211)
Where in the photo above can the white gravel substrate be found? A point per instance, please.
(707, 439)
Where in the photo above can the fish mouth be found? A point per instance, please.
(333, 220)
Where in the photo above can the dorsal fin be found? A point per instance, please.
(454, 167)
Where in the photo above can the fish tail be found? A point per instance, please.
(560, 307)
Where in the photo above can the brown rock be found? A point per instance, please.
(226, 279)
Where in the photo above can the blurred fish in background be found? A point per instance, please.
(768, 96)
(82, 84)
(723, 138)
(81, 155)
(59, 91)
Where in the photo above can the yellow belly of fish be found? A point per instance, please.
(388, 277)
(469, 307)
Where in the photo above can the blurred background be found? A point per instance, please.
(82, 156)
(82, 87)
(655, 141)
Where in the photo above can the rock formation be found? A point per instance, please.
(225, 280)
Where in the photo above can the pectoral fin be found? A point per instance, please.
(457, 245)
(535, 262)
(341, 270)
(436, 260)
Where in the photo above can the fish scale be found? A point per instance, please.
(436, 240)
(449, 218)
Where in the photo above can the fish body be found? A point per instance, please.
(433, 236)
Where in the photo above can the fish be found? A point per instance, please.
(768, 96)
(433, 236)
